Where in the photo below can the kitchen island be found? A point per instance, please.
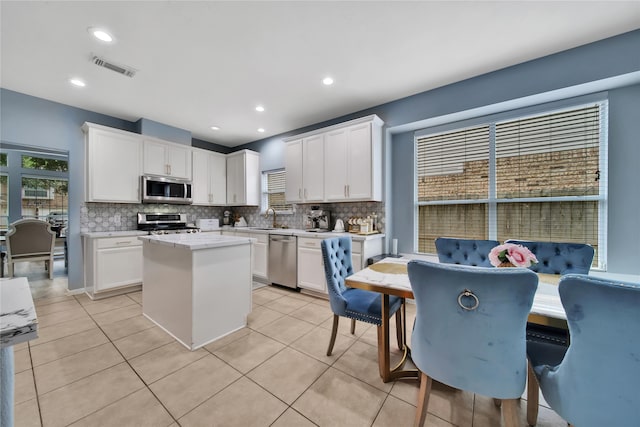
(197, 287)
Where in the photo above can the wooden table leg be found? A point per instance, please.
(383, 341)
(384, 357)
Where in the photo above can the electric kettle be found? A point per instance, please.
(339, 226)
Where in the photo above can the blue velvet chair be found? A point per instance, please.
(559, 258)
(553, 258)
(596, 382)
(465, 251)
(469, 331)
(355, 304)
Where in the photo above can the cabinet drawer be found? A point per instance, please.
(304, 242)
(356, 247)
(118, 242)
(262, 238)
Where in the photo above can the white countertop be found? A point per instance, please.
(303, 233)
(18, 320)
(196, 241)
(101, 234)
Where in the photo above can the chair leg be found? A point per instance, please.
(50, 268)
(423, 400)
(334, 332)
(510, 412)
(532, 396)
(353, 326)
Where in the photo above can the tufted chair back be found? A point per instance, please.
(559, 258)
(465, 251)
(336, 254)
(596, 382)
(480, 349)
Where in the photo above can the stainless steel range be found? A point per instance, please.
(165, 223)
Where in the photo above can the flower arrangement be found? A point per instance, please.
(510, 254)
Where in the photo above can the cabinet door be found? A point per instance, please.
(260, 255)
(359, 162)
(218, 179)
(335, 172)
(235, 180)
(155, 162)
(117, 267)
(313, 168)
(179, 161)
(200, 182)
(293, 167)
(311, 270)
(113, 167)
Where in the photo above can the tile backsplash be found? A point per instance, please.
(95, 217)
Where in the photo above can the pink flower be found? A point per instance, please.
(497, 254)
(520, 256)
(517, 255)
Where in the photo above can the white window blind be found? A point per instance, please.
(275, 191)
(539, 177)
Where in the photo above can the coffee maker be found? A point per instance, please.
(317, 219)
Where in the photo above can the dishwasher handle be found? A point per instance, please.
(282, 239)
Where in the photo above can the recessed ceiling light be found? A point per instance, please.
(261, 130)
(327, 81)
(215, 128)
(77, 82)
(101, 34)
(260, 108)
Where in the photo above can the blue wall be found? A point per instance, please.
(611, 65)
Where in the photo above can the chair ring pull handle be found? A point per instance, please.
(468, 294)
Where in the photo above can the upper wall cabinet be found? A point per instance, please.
(353, 163)
(166, 159)
(243, 178)
(209, 178)
(304, 163)
(113, 164)
(338, 163)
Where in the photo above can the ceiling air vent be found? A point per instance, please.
(121, 69)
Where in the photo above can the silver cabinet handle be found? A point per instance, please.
(299, 193)
(125, 242)
(345, 191)
(305, 193)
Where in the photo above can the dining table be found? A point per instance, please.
(389, 277)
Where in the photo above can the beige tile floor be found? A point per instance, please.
(102, 363)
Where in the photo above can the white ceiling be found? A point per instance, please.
(210, 63)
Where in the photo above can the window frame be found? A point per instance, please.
(492, 200)
(264, 193)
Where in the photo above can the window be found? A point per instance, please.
(273, 188)
(540, 177)
(4, 202)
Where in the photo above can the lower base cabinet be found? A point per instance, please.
(311, 274)
(310, 265)
(112, 263)
(260, 255)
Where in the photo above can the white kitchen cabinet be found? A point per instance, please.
(339, 163)
(243, 178)
(260, 255)
(304, 163)
(112, 263)
(209, 182)
(353, 162)
(310, 265)
(113, 165)
(166, 159)
(311, 274)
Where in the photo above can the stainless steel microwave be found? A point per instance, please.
(162, 189)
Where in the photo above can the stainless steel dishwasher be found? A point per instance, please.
(283, 260)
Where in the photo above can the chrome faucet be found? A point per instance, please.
(266, 215)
